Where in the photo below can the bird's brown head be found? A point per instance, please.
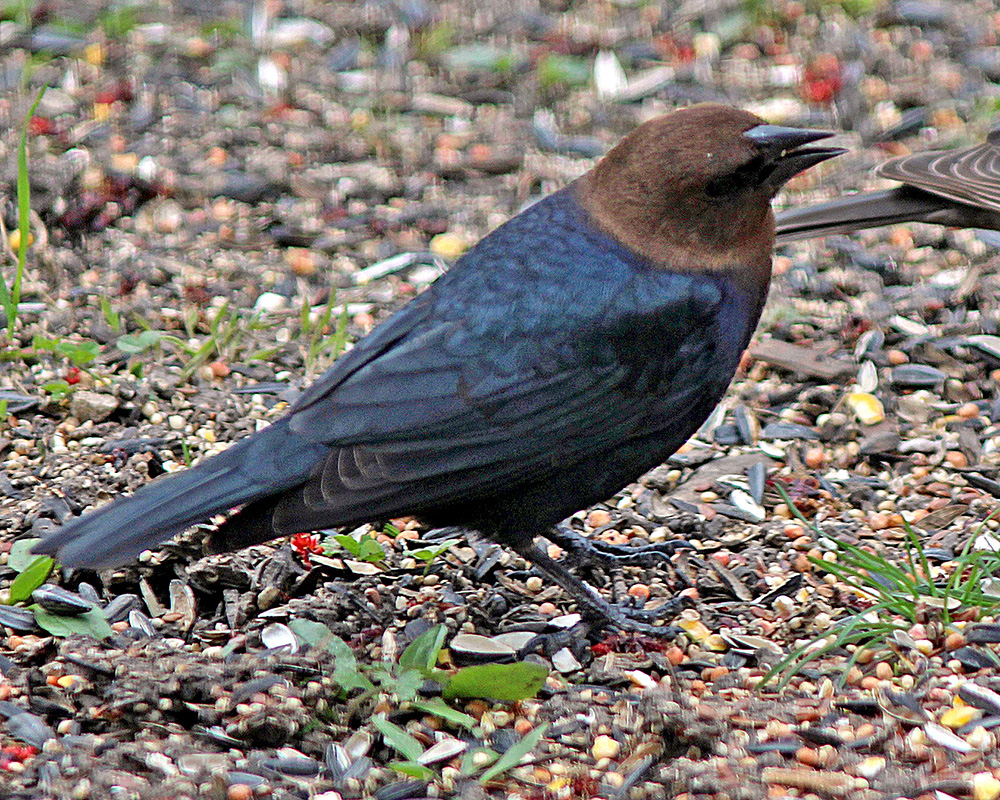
(695, 186)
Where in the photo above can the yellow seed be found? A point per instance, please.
(716, 643)
(93, 54)
(866, 407)
(694, 628)
(925, 646)
(449, 245)
(15, 239)
(958, 716)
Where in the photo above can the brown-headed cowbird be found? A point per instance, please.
(959, 188)
(572, 349)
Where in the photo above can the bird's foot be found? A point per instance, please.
(592, 605)
(583, 550)
(627, 617)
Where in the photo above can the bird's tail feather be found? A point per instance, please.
(854, 212)
(270, 461)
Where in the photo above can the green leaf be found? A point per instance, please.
(428, 554)
(138, 342)
(413, 769)
(514, 755)
(422, 653)
(20, 556)
(9, 299)
(349, 543)
(496, 681)
(439, 708)
(314, 634)
(371, 550)
(80, 353)
(363, 549)
(93, 623)
(58, 389)
(406, 686)
(560, 70)
(44, 343)
(345, 666)
(29, 579)
(399, 739)
(347, 675)
(112, 317)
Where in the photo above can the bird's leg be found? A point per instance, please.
(583, 550)
(595, 607)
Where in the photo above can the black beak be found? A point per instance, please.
(783, 149)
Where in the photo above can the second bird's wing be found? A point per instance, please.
(959, 188)
(969, 175)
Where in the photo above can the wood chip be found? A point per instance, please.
(809, 361)
(829, 783)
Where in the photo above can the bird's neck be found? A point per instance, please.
(677, 238)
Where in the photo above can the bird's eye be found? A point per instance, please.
(744, 178)
(723, 186)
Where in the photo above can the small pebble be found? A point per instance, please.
(598, 518)
(956, 458)
(639, 590)
(871, 766)
(814, 457)
(968, 411)
(239, 791)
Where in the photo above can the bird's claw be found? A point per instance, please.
(595, 608)
(638, 620)
(583, 550)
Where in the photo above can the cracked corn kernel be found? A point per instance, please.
(958, 716)
(985, 786)
(866, 407)
(694, 628)
(605, 747)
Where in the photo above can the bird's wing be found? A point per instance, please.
(499, 394)
(966, 175)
